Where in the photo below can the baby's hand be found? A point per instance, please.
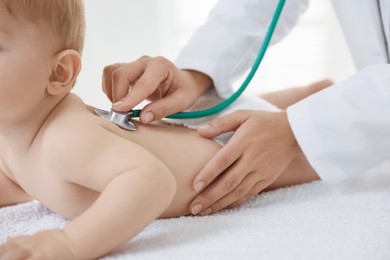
(45, 245)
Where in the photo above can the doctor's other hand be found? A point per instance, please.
(169, 89)
(261, 148)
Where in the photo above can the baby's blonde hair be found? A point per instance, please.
(63, 19)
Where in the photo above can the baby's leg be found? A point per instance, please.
(286, 97)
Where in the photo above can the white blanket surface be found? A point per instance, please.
(350, 220)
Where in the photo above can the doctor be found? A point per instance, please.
(342, 130)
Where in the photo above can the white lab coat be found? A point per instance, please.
(343, 130)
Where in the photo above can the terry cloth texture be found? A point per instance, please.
(349, 221)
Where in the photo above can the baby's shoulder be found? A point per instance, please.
(84, 149)
(68, 126)
(71, 131)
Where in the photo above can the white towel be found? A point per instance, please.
(311, 221)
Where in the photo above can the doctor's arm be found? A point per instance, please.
(261, 149)
(246, 165)
(169, 89)
(342, 131)
(217, 53)
(226, 46)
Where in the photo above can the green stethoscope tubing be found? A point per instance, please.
(227, 102)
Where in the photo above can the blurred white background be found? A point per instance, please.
(122, 31)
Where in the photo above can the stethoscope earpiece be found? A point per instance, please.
(121, 119)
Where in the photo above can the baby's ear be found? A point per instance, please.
(66, 68)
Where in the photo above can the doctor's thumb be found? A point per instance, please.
(219, 126)
(159, 109)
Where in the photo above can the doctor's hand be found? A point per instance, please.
(169, 89)
(260, 150)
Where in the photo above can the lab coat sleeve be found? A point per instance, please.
(345, 129)
(228, 44)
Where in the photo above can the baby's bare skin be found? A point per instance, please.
(110, 183)
(181, 149)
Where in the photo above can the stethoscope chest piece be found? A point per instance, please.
(121, 119)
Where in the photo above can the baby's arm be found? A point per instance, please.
(129, 201)
(135, 189)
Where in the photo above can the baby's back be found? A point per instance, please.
(181, 149)
(76, 153)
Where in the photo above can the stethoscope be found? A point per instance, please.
(383, 30)
(123, 119)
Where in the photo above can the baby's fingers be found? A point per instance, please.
(13, 251)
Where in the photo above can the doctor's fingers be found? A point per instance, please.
(230, 122)
(107, 79)
(219, 163)
(123, 79)
(140, 80)
(228, 154)
(218, 188)
(257, 189)
(176, 102)
(243, 190)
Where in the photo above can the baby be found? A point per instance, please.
(110, 183)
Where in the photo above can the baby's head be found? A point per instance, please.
(40, 46)
(62, 20)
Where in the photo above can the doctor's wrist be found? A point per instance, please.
(201, 81)
(288, 134)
